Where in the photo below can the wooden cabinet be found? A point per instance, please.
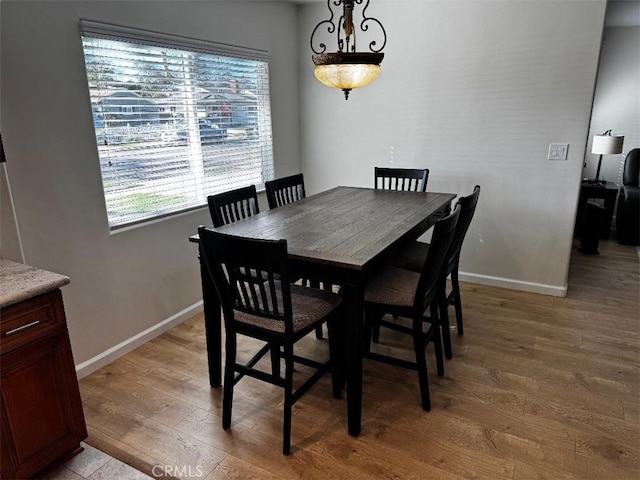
(40, 407)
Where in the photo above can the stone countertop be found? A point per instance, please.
(20, 282)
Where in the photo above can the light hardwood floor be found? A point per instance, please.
(539, 387)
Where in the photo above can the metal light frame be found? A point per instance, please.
(347, 68)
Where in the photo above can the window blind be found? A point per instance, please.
(176, 119)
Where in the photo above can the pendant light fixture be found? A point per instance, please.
(347, 68)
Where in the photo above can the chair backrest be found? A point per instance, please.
(249, 275)
(467, 209)
(443, 232)
(631, 173)
(285, 190)
(406, 179)
(229, 207)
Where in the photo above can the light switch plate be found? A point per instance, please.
(558, 151)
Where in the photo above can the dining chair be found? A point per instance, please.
(628, 210)
(406, 179)
(229, 207)
(414, 256)
(284, 191)
(403, 293)
(270, 310)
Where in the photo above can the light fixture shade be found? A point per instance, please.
(346, 76)
(607, 144)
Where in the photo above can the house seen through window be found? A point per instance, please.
(174, 125)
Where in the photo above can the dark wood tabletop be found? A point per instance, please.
(344, 226)
(337, 236)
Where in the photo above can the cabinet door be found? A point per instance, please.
(41, 410)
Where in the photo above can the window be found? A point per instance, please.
(176, 119)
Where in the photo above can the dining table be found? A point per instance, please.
(340, 237)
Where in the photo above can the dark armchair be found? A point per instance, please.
(628, 212)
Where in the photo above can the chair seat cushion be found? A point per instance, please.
(309, 306)
(413, 257)
(392, 286)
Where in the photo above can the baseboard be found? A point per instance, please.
(108, 356)
(513, 284)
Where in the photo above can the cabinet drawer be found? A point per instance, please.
(26, 321)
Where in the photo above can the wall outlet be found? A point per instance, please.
(558, 151)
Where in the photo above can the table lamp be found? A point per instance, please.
(605, 144)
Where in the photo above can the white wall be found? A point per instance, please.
(475, 91)
(9, 235)
(124, 283)
(616, 104)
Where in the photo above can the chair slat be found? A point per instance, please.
(405, 179)
(228, 207)
(284, 191)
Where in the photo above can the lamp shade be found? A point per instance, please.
(607, 144)
(347, 70)
(347, 76)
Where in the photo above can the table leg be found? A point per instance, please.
(354, 302)
(212, 324)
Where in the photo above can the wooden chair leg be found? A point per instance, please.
(275, 360)
(437, 346)
(288, 399)
(457, 302)
(229, 373)
(316, 284)
(437, 343)
(421, 362)
(371, 328)
(367, 331)
(327, 287)
(375, 327)
(444, 324)
(375, 332)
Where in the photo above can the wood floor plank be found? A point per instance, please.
(233, 468)
(583, 422)
(374, 459)
(158, 440)
(457, 459)
(150, 403)
(547, 356)
(620, 452)
(529, 428)
(254, 441)
(539, 387)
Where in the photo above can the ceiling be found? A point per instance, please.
(622, 13)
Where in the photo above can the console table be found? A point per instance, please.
(608, 192)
